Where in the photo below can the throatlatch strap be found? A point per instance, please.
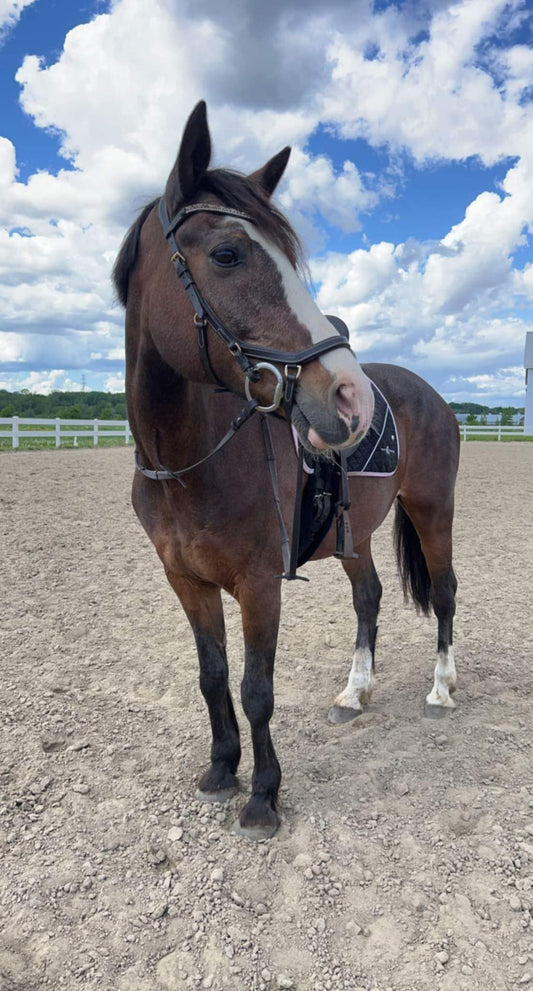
(163, 474)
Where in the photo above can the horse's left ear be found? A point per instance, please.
(269, 176)
(192, 161)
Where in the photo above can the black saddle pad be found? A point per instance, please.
(379, 451)
(376, 455)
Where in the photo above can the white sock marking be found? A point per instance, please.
(444, 680)
(358, 691)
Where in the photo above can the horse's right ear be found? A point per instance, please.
(270, 174)
(192, 161)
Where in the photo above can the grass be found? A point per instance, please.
(34, 444)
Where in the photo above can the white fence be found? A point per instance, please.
(493, 430)
(17, 428)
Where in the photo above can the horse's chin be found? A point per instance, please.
(310, 438)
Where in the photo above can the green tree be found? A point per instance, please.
(507, 416)
(472, 418)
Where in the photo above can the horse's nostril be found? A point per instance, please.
(345, 402)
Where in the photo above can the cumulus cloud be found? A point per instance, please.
(424, 79)
(10, 11)
(490, 387)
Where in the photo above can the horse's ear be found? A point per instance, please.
(269, 176)
(192, 161)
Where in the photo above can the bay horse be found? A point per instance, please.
(208, 275)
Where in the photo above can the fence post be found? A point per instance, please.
(127, 433)
(464, 431)
(15, 431)
(95, 433)
(499, 431)
(58, 431)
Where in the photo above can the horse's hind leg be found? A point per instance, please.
(366, 588)
(203, 605)
(434, 531)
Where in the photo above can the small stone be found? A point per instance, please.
(235, 897)
(51, 743)
(466, 970)
(260, 909)
(515, 904)
(79, 745)
(284, 982)
(229, 951)
(217, 875)
(320, 925)
(442, 956)
(441, 739)
(309, 874)
(525, 979)
(302, 860)
(208, 981)
(175, 834)
(159, 910)
(266, 975)
(401, 789)
(81, 789)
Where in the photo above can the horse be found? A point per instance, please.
(217, 311)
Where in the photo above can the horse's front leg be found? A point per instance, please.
(260, 607)
(203, 605)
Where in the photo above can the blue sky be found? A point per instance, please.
(410, 179)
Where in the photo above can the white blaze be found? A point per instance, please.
(339, 362)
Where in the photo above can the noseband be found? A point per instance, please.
(205, 316)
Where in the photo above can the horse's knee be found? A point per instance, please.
(257, 695)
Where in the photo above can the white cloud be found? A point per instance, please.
(10, 11)
(42, 383)
(506, 382)
(118, 111)
(115, 383)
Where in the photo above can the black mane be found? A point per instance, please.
(237, 192)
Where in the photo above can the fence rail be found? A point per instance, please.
(494, 429)
(17, 428)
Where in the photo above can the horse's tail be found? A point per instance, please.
(412, 565)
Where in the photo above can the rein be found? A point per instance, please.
(284, 391)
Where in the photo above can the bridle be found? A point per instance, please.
(264, 358)
(205, 317)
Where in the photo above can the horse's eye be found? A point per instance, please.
(226, 256)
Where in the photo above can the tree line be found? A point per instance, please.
(66, 405)
(112, 406)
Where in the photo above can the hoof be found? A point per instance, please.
(436, 711)
(255, 833)
(343, 714)
(258, 820)
(222, 795)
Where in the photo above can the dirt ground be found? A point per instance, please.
(405, 858)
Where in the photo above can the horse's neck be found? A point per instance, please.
(171, 417)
